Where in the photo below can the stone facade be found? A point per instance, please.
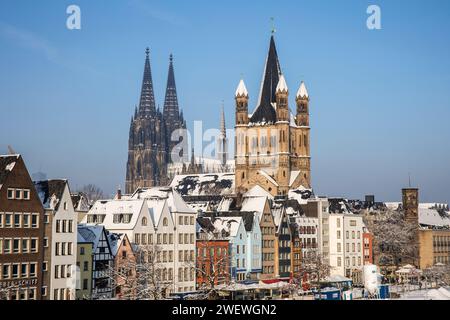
(150, 146)
(272, 145)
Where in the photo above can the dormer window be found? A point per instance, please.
(10, 193)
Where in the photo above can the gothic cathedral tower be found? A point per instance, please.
(149, 143)
(272, 145)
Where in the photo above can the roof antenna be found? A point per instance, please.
(409, 179)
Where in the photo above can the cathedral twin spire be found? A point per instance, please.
(147, 105)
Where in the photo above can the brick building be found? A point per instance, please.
(21, 232)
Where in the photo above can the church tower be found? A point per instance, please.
(173, 118)
(272, 145)
(147, 143)
(222, 143)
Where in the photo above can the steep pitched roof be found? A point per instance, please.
(7, 163)
(265, 111)
(50, 192)
(90, 234)
(147, 99)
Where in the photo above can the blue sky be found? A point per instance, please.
(380, 99)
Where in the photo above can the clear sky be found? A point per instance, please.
(380, 99)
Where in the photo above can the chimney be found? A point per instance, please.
(119, 193)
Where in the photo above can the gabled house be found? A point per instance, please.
(282, 242)
(213, 255)
(125, 265)
(21, 232)
(60, 239)
(258, 200)
(96, 237)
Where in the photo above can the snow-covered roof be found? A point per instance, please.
(115, 239)
(432, 217)
(90, 234)
(174, 200)
(204, 184)
(268, 177)
(257, 191)
(301, 194)
(254, 204)
(302, 92)
(241, 89)
(294, 175)
(50, 192)
(282, 85)
(122, 206)
(228, 224)
(392, 205)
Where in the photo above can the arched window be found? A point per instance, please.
(141, 136)
(165, 222)
(144, 221)
(139, 168)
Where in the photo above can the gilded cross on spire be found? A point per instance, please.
(272, 19)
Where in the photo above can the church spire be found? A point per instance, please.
(170, 110)
(264, 109)
(147, 100)
(222, 140)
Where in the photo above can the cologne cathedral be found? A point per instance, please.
(149, 143)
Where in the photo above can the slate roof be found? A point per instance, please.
(47, 189)
(265, 111)
(6, 165)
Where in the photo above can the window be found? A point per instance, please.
(34, 220)
(180, 239)
(45, 242)
(34, 245)
(353, 234)
(58, 226)
(46, 218)
(165, 222)
(69, 248)
(339, 247)
(170, 238)
(18, 194)
(158, 238)
(26, 220)
(33, 270)
(17, 220)
(44, 291)
(10, 193)
(1, 245)
(16, 245)
(44, 266)
(7, 248)
(346, 234)
(26, 194)
(57, 245)
(25, 245)
(85, 284)
(186, 220)
(15, 270)
(180, 220)
(8, 220)
(192, 221)
(64, 226)
(6, 271)
(24, 270)
(65, 206)
(85, 266)
(144, 221)
(70, 225)
(137, 238)
(56, 272)
(339, 261)
(338, 234)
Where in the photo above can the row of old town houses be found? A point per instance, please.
(252, 221)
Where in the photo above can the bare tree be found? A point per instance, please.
(6, 291)
(210, 272)
(145, 278)
(394, 238)
(440, 274)
(92, 193)
(314, 269)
